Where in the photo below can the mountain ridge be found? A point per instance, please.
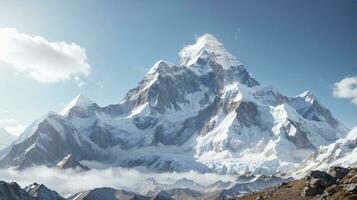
(207, 114)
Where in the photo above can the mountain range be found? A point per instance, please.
(206, 113)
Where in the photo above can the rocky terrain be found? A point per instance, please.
(338, 184)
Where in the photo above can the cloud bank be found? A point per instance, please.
(346, 89)
(71, 181)
(44, 61)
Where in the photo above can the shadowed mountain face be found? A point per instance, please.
(41, 192)
(13, 191)
(206, 113)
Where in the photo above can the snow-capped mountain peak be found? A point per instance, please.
(80, 101)
(308, 96)
(341, 153)
(158, 66)
(206, 114)
(207, 46)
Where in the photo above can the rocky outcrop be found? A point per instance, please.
(338, 184)
(41, 192)
(316, 182)
(12, 191)
(70, 162)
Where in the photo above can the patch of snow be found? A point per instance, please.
(80, 101)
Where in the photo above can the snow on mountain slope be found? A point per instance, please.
(207, 46)
(79, 104)
(206, 114)
(46, 142)
(341, 153)
(6, 138)
(255, 129)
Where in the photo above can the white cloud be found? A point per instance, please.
(7, 121)
(40, 59)
(119, 178)
(346, 89)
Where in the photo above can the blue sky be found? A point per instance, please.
(290, 45)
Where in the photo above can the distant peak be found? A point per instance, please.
(80, 101)
(158, 64)
(207, 45)
(208, 39)
(307, 95)
(81, 98)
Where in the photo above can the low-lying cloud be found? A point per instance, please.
(72, 181)
(346, 89)
(40, 59)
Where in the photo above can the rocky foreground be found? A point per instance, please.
(336, 184)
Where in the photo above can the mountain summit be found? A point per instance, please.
(80, 102)
(206, 113)
(207, 46)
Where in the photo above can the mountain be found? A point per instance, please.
(69, 162)
(179, 194)
(207, 114)
(107, 194)
(13, 191)
(6, 138)
(342, 153)
(47, 141)
(259, 183)
(41, 192)
(219, 185)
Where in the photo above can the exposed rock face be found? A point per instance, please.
(69, 162)
(316, 186)
(338, 172)
(342, 153)
(48, 140)
(316, 182)
(41, 192)
(12, 191)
